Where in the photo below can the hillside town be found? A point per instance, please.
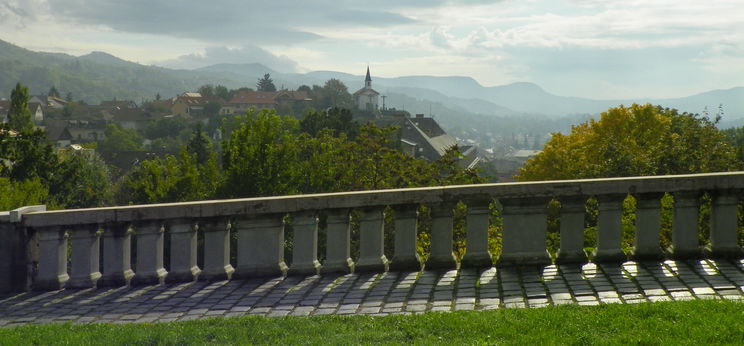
(76, 125)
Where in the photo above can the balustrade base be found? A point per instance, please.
(225, 273)
(118, 279)
(609, 256)
(405, 263)
(184, 276)
(279, 269)
(372, 265)
(477, 260)
(152, 278)
(686, 254)
(88, 281)
(728, 252)
(524, 258)
(338, 266)
(649, 254)
(566, 257)
(305, 269)
(51, 285)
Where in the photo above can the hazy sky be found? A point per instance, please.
(587, 48)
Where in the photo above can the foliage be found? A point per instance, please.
(165, 127)
(16, 194)
(81, 180)
(169, 179)
(19, 116)
(120, 139)
(26, 155)
(265, 83)
(338, 120)
(633, 141)
(260, 157)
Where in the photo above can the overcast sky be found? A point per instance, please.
(587, 48)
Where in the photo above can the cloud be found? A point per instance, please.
(241, 55)
(280, 22)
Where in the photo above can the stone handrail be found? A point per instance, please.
(34, 242)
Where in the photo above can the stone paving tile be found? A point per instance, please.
(380, 294)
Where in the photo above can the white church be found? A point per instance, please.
(366, 98)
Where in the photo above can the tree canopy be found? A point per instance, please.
(633, 141)
(19, 116)
(265, 83)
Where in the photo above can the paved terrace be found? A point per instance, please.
(384, 293)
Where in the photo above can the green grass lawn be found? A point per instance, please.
(693, 322)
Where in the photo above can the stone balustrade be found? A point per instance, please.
(35, 244)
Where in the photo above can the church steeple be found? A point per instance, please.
(368, 80)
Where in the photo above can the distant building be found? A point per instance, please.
(366, 98)
(247, 99)
(422, 137)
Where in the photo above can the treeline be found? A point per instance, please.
(260, 154)
(265, 154)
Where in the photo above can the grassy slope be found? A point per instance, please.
(694, 322)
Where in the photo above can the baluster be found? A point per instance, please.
(216, 250)
(85, 252)
(305, 251)
(723, 231)
(371, 244)
(117, 255)
(609, 229)
(441, 256)
(685, 226)
(476, 252)
(571, 248)
(406, 257)
(338, 246)
(525, 232)
(260, 246)
(183, 266)
(52, 274)
(648, 227)
(150, 240)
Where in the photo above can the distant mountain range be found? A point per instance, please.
(100, 76)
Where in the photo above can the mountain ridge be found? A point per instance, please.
(99, 75)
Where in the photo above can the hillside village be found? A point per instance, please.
(164, 124)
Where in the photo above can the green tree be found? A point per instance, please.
(338, 120)
(222, 92)
(260, 156)
(81, 180)
(26, 155)
(53, 91)
(19, 116)
(265, 83)
(165, 127)
(16, 194)
(206, 91)
(119, 139)
(199, 144)
(633, 141)
(212, 108)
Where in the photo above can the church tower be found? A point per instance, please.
(366, 98)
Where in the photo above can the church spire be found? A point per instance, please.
(368, 80)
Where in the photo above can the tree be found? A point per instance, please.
(206, 91)
(16, 194)
(260, 157)
(19, 116)
(222, 92)
(633, 141)
(53, 92)
(157, 97)
(165, 127)
(119, 139)
(81, 180)
(212, 108)
(339, 120)
(265, 83)
(199, 144)
(334, 93)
